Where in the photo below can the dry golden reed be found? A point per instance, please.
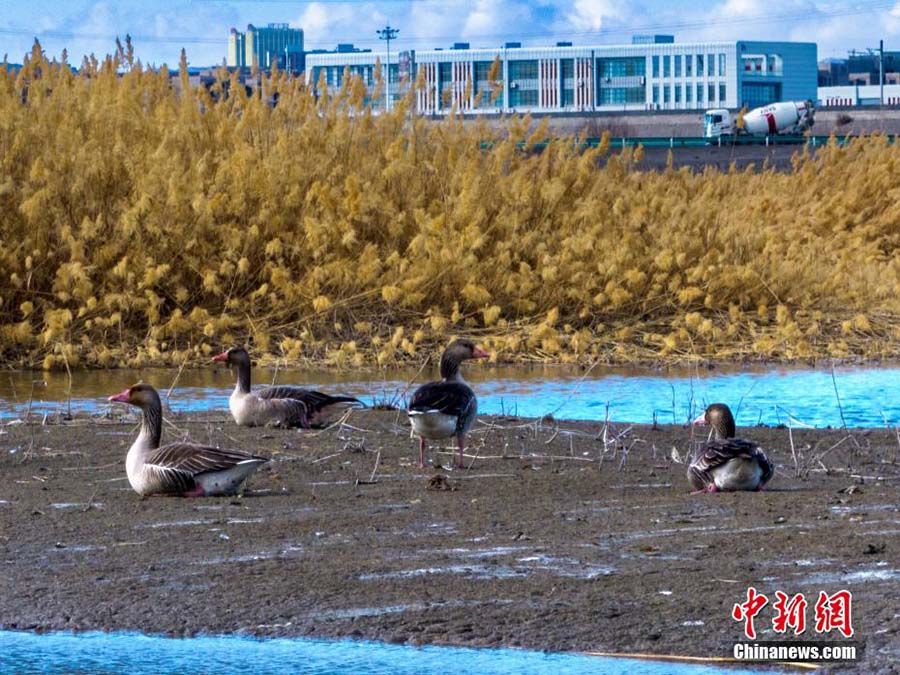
(147, 222)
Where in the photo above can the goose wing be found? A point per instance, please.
(176, 465)
(450, 398)
(716, 453)
(314, 400)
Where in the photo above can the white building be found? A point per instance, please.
(656, 74)
(852, 95)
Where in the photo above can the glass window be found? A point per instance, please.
(622, 95)
(522, 70)
(666, 93)
(445, 74)
(655, 66)
(677, 58)
(721, 65)
(711, 93)
(688, 90)
(622, 67)
(666, 63)
(699, 65)
(568, 78)
(710, 64)
(688, 63)
(656, 93)
(677, 93)
(722, 93)
(699, 93)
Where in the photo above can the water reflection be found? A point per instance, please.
(136, 654)
(869, 396)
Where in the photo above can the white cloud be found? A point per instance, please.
(592, 14)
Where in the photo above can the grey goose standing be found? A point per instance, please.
(446, 407)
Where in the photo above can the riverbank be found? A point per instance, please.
(563, 536)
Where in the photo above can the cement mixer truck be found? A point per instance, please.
(786, 117)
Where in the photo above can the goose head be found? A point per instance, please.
(718, 416)
(457, 352)
(141, 395)
(236, 356)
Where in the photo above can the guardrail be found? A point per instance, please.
(699, 141)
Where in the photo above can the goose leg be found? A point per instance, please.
(421, 452)
(708, 489)
(461, 442)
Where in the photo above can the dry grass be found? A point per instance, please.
(140, 225)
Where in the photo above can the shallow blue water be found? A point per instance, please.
(136, 654)
(796, 396)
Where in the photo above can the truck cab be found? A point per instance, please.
(717, 123)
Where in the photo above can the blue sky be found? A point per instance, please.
(161, 28)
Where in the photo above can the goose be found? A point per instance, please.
(725, 463)
(280, 405)
(179, 468)
(446, 407)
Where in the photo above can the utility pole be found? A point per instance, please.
(387, 33)
(881, 70)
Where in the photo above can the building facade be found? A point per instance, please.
(263, 47)
(653, 73)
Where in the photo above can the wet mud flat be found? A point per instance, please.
(562, 536)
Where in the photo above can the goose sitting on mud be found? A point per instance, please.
(280, 405)
(185, 469)
(725, 463)
(446, 407)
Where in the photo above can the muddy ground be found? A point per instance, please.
(556, 538)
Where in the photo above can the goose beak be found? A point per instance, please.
(479, 353)
(221, 357)
(121, 397)
(700, 420)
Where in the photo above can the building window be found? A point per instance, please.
(756, 94)
(688, 91)
(677, 58)
(722, 93)
(699, 93)
(677, 93)
(666, 70)
(567, 72)
(523, 83)
(622, 67)
(699, 65)
(721, 65)
(622, 95)
(710, 64)
(483, 84)
(445, 74)
(655, 66)
(666, 94)
(656, 93)
(711, 93)
(688, 63)
(523, 70)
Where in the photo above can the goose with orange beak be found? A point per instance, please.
(725, 463)
(446, 407)
(180, 468)
(283, 405)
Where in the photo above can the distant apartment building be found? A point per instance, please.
(652, 73)
(262, 47)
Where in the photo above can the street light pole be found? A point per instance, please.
(387, 34)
